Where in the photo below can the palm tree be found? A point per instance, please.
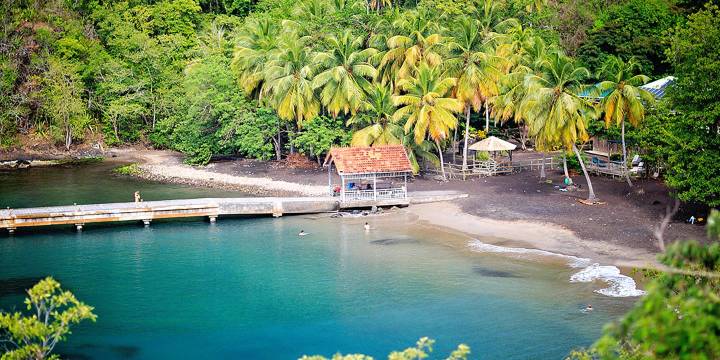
(425, 105)
(472, 62)
(289, 78)
(312, 9)
(416, 152)
(381, 129)
(342, 5)
(624, 99)
(257, 42)
(527, 56)
(557, 114)
(377, 5)
(405, 52)
(346, 75)
(488, 17)
(376, 117)
(517, 43)
(535, 5)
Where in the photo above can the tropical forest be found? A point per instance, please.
(303, 179)
(264, 79)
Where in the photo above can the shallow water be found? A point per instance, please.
(90, 184)
(251, 288)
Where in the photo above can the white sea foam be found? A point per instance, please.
(573, 261)
(619, 285)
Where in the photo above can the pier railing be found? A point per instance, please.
(379, 194)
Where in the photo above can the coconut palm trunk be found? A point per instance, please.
(454, 146)
(278, 146)
(524, 136)
(542, 166)
(487, 119)
(591, 192)
(565, 169)
(442, 162)
(624, 150)
(467, 130)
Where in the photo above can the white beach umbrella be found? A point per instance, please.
(492, 144)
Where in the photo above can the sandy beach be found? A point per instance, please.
(529, 234)
(514, 211)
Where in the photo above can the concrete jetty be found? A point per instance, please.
(212, 208)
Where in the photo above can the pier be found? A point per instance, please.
(211, 208)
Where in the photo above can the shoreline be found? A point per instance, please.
(475, 217)
(609, 276)
(547, 236)
(534, 235)
(164, 166)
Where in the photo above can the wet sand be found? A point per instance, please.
(529, 234)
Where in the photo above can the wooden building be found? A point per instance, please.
(369, 173)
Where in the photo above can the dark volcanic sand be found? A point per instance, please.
(628, 217)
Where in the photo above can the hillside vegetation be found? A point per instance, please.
(267, 78)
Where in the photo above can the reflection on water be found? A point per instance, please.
(17, 286)
(65, 185)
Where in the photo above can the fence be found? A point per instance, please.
(379, 194)
(492, 167)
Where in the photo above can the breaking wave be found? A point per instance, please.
(619, 285)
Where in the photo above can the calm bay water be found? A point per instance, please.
(250, 288)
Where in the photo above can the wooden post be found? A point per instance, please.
(405, 186)
(342, 189)
(375, 186)
(330, 179)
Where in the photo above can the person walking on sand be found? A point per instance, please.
(367, 227)
(137, 197)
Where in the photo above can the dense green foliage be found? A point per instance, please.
(631, 28)
(261, 79)
(422, 350)
(679, 318)
(692, 150)
(50, 313)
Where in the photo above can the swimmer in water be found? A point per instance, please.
(589, 308)
(302, 233)
(367, 227)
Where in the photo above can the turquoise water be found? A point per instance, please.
(252, 289)
(65, 185)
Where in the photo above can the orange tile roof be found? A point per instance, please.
(360, 160)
